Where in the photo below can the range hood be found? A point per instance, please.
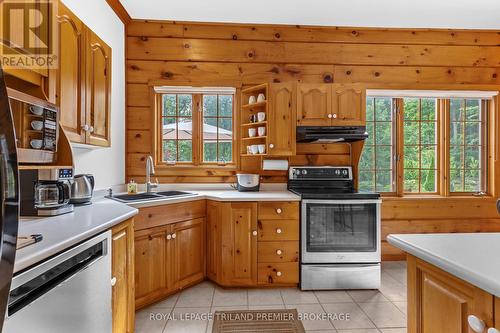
(331, 134)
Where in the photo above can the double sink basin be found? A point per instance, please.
(149, 196)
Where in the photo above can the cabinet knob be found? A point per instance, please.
(279, 211)
(174, 235)
(334, 116)
(476, 324)
(169, 236)
(85, 127)
(279, 252)
(271, 145)
(91, 129)
(278, 274)
(113, 281)
(279, 231)
(330, 116)
(254, 233)
(493, 330)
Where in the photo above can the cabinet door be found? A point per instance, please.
(434, 295)
(70, 82)
(349, 104)
(123, 277)
(153, 275)
(98, 91)
(213, 240)
(188, 239)
(281, 119)
(314, 104)
(242, 265)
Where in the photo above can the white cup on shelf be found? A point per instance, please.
(252, 132)
(254, 149)
(261, 98)
(36, 144)
(252, 100)
(261, 116)
(262, 149)
(261, 131)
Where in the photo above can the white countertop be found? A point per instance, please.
(63, 231)
(471, 257)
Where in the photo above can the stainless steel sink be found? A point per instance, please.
(148, 196)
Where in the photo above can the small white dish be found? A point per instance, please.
(261, 131)
(36, 110)
(37, 125)
(261, 98)
(252, 100)
(261, 116)
(36, 144)
(262, 149)
(252, 132)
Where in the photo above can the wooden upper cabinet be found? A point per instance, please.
(434, 294)
(348, 104)
(314, 104)
(70, 82)
(282, 119)
(241, 268)
(98, 72)
(123, 277)
(188, 239)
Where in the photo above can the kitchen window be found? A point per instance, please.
(425, 145)
(196, 126)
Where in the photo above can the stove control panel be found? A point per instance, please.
(324, 172)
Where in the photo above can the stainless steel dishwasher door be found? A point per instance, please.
(70, 293)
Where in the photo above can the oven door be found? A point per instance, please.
(340, 231)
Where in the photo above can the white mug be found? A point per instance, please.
(261, 116)
(249, 151)
(262, 149)
(252, 100)
(261, 131)
(254, 149)
(252, 132)
(261, 98)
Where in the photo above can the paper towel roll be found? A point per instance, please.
(275, 165)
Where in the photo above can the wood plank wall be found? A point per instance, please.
(171, 53)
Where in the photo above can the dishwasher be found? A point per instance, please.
(70, 292)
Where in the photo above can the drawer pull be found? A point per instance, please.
(476, 324)
(169, 236)
(271, 146)
(113, 281)
(279, 211)
(278, 273)
(279, 252)
(174, 235)
(254, 233)
(279, 231)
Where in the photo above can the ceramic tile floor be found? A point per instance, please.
(382, 311)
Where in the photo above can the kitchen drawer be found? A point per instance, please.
(278, 273)
(279, 230)
(271, 210)
(287, 251)
(164, 214)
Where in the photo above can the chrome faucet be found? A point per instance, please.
(150, 170)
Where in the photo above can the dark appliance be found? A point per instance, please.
(9, 197)
(45, 192)
(340, 230)
(331, 134)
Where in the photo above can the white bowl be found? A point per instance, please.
(37, 125)
(36, 110)
(36, 144)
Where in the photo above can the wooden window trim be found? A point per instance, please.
(196, 167)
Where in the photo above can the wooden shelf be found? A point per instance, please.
(260, 87)
(247, 155)
(34, 156)
(254, 105)
(34, 131)
(259, 123)
(253, 138)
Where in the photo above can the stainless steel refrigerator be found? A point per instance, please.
(9, 198)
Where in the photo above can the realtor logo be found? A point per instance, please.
(28, 34)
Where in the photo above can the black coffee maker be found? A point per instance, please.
(45, 192)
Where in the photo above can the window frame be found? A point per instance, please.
(442, 149)
(197, 133)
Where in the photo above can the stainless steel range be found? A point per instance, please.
(340, 230)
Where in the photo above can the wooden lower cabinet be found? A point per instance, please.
(168, 258)
(122, 249)
(439, 302)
